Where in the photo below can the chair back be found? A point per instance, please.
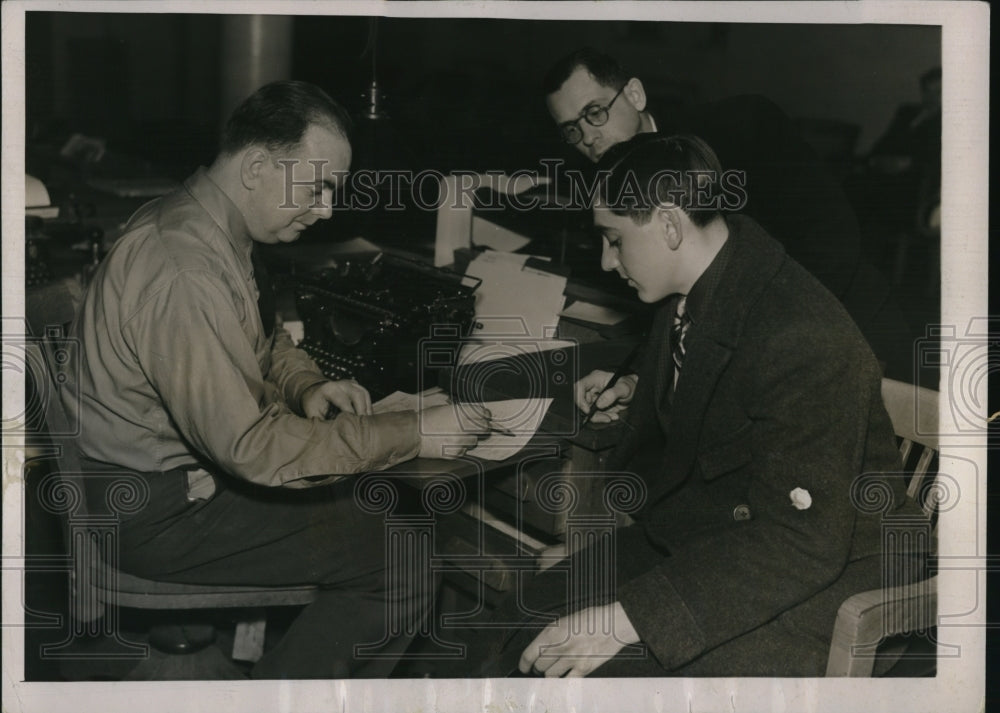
(866, 619)
(51, 304)
(90, 533)
(909, 405)
(47, 360)
(61, 491)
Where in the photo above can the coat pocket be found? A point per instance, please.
(727, 457)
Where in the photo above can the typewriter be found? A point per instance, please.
(371, 319)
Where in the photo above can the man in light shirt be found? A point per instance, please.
(186, 380)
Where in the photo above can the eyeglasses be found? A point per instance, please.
(594, 115)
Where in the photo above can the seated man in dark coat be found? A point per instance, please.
(755, 424)
(597, 104)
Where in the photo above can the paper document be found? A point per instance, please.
(455, 224)
(514, 300)
(515, 420)
(491, 235)
(595, 314)
(400, 401)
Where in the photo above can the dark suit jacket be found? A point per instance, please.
(906, 136)
(798, 202)
(779, 391)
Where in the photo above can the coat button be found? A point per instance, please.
(741, 512)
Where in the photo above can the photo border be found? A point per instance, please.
(959, 684)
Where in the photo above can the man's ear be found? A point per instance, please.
(255, 159)
(668, 217)
(635, 93)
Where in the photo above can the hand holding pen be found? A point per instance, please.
(603, 395)
(492, 426)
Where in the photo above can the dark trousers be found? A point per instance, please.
(495, 641)
(244, 535)
(795, 644)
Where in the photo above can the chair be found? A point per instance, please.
(52, 303)
(867, 618)
(97, 587)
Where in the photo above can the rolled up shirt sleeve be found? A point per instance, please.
(189, 342)
(292, 371)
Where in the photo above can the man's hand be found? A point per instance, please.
(578, 643)
(347, 395)
(609, 404)
(448, 431)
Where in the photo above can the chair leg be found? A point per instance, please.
(248, 642)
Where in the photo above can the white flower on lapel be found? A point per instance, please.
(801, 499)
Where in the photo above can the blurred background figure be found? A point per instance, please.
(898, 192)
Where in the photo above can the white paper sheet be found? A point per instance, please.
(401, 401)
(519, 419)
(514, 300)
(596, 314)
(491, 235)
(516, 420)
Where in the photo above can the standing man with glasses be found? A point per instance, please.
(596, 104)
(590, 131)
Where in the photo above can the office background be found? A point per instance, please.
(463, 93)
(459, 93)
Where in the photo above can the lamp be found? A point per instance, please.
(376, 141)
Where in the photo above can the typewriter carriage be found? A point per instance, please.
(365, 318)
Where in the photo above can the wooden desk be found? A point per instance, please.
(486, 520)
(481, 522)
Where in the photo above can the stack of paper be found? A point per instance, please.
(514, 300)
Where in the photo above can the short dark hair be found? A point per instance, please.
(650, 170)
(604, 68)
(278, 114)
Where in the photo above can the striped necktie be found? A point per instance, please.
(677, 333)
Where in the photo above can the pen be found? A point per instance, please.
(619, 373)
(501, 430)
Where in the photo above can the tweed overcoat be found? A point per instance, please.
(752, 466)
